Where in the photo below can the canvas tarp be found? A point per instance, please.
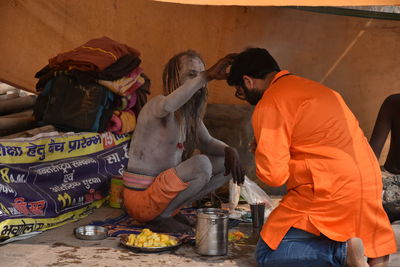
(355, 56)
(285, 2)
(52, 179)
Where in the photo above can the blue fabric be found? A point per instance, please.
(302, 249)
(108, 99)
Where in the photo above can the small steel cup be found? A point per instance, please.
(257, 214)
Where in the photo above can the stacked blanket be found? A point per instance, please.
(96, 87)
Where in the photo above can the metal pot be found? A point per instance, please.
(212, 232)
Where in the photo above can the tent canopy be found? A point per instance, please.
(285, 2)
(353, 55)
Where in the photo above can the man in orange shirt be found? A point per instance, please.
(307, 138)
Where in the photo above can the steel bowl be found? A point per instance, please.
(90, 232)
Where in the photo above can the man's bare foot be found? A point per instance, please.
(379, 262)
(169, 225)
(183, 219)
(355, 253)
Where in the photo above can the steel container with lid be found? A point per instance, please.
(212, 232)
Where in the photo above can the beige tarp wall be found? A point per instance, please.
(358, 57)
(286, 2)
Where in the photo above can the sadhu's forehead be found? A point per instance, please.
(191, 62)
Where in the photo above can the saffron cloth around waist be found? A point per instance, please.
(136, 181)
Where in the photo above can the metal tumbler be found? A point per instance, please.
(257, 214)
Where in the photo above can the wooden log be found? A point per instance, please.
(5, 88)
(13, 125)
(17, 104)
(9, 96)
(25, 113)
(10, 123)
(31, 132)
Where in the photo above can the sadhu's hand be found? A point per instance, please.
(233, 165)
(218, 70)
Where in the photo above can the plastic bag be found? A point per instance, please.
(234, 195)
(254, 194)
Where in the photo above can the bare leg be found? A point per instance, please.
(183, 219)
(216, 181)
(196, 171)
(217, 164)
(355, 253)
(168, 225)
(379, 262)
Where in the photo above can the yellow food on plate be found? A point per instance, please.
(148, 239)
(236, 236)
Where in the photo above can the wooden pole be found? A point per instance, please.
(31, 132)
(13, 125)
(17, 104)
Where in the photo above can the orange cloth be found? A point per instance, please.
(95, 55)
(145, 205)
(308, 139)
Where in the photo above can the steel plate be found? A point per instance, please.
(124, 239)
(90, 232)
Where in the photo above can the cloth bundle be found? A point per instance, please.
(126, 85)
(122, 122)
(106, 65)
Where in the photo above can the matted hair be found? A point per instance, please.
(191, 112)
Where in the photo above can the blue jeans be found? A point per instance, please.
(302, 249)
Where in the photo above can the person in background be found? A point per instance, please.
(388, 120)
(307, 138)
(163, 174)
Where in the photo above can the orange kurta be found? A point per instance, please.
(308, 139)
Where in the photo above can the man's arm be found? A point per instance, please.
(208, 144)
(175, 100)
(182, 94)
(212, 146)
(272, 134)
(383, 123)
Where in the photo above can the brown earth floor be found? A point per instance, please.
(59, 247)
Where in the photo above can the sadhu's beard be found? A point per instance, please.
(192, 113)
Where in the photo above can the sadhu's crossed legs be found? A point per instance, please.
(203, 176)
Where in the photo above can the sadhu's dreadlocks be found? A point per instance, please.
(190, 114)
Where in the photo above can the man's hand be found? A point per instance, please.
(233, 165)
(218, 70)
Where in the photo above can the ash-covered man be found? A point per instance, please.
(307, 138)
(162, 174)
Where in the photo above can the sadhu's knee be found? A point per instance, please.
(202, 166)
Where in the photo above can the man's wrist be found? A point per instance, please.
(207, 76)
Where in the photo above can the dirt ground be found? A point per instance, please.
(59, 247)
